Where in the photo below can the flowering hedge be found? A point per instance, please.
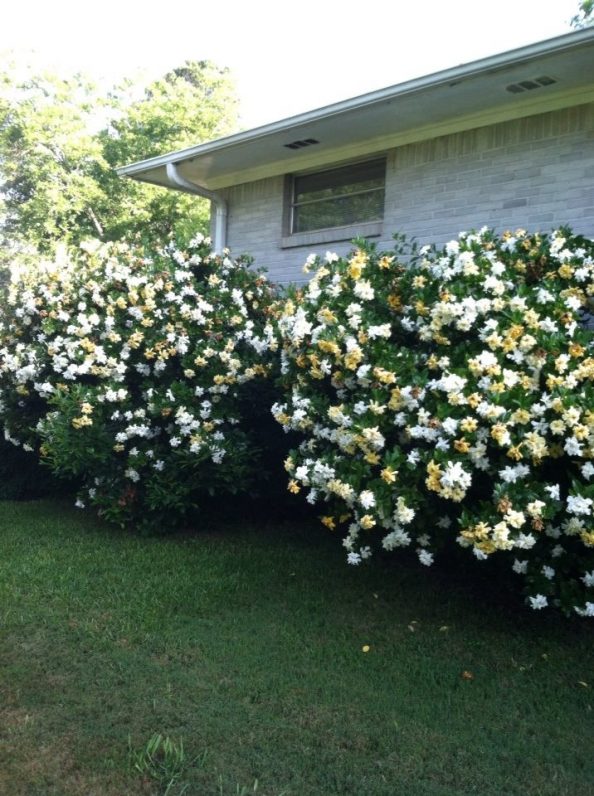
(448, 395)
(137, 374)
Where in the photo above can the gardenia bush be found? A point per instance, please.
(447, 396)
(136, 374)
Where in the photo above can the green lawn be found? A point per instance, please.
(246, 644)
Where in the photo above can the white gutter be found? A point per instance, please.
(220, 226)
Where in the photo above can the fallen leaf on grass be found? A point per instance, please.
(466, 675)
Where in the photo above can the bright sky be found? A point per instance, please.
(287, 57)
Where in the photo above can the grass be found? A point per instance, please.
(241, 649)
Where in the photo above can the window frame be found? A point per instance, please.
(339, 232)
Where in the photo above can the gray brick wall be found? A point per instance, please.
(536, 173)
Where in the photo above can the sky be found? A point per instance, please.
(286, 57)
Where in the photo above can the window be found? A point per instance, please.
(341, 197)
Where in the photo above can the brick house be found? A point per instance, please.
(505, 141)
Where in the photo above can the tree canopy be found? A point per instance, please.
(62, 137)
(585, 16)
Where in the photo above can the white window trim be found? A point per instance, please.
(367, 229)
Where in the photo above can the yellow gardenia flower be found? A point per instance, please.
(515, 453)
(372, 458)
(389, 475)
(587, 538)
(469, 424)
(433, 480)
(326, 315)
(385, 376)
(80, 422)
(329, 347)
(581, 432)
(353, 358)
(520, 416)
(565, 271)
(135, 339)
(557, 427)
(356, 264)
(367, 522)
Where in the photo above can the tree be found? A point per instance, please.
(585, 16)
(189, 105)
(60, 139)
(48, 159)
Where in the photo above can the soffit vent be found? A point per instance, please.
(302, 143)
(530, 85)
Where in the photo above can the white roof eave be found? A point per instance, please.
(247, 146)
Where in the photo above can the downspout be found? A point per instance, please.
(220, 226)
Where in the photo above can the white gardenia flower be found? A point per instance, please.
(588, 579)
(450, 426)
(588, 470)
(520, 567)
(425, 557)
(455, 475)
(587, 610)
(384, 330)
(535, 508)
(573, 303)
(511, 474)
(554, 491)
(573, 447)
(525, 541)
(397, 538)
(548, 325)
(353, 558)
(363, 290)
(367, 499)
(548, 572)
(576, 504)
(538, 602)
